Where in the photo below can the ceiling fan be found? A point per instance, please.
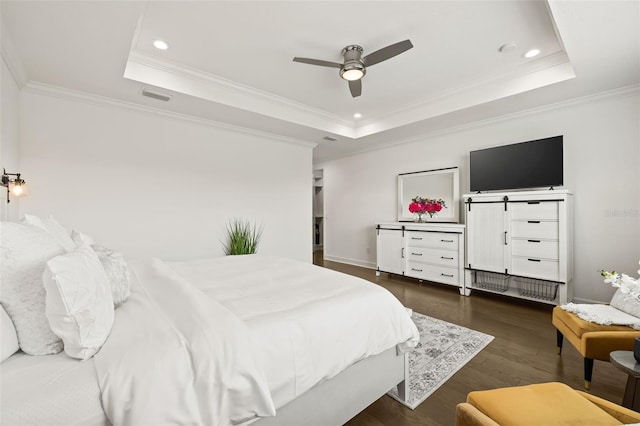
(355, 66)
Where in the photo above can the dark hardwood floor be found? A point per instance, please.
(523, 351)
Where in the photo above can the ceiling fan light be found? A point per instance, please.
(352, 75)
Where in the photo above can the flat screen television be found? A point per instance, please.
(532, 164)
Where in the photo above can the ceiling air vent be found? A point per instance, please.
(330, 138)
(155, 95)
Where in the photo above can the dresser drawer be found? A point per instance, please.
(436, 240)
(440, 274)
(534, 248)
(534, 229)
(536, 268)
(435, 256)
(535, 211)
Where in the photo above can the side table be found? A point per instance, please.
(624, 361)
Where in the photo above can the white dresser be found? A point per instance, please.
(520, 244)
(427, 251)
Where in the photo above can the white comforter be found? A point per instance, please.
(308, 323)
(175, 356)
(270, 330)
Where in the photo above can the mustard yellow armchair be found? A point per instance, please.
(593, 341)
(549, 404)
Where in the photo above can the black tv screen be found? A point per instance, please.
(531, 164)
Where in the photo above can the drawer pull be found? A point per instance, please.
(417, 270)
(533, 202)
(533, 260)
(446, 241)
(533, 241)
(447, 275)
(533, 221)
(416, 254)
(416, 238)
(444, 257)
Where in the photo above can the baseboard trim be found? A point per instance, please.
(354, 262)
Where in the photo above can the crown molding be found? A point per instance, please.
(193, 82)
(89, 98)
(13, 62)
(621, 92)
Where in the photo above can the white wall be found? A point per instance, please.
(148, 184)
(9, 137)
(601, 166)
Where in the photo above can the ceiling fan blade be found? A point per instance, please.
(355, 87)
(387, 52)
(317, 62)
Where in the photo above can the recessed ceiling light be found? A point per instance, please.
(357, 115)
(159, 44)
(532, 53)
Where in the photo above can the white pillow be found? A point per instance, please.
(79, 238)
(117, 273)
(626, 303)
(79, 303)
(114, 265)
(8, 338)
(24, 250)
(57, 231)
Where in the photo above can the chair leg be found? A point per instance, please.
(588, 371)
(559, 340)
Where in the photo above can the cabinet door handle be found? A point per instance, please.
(505, 238)
(444, 257)
(533, 260)
(417, 270)
(447, 275)
(533, 221)
(533, 241)
(416, 254)
(402, 252)
(446, 241)
(416, 238)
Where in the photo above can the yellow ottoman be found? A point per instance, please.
(593, 341)
(540, 404)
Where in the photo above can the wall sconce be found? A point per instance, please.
(16, 186)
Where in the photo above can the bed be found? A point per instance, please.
(241, 340)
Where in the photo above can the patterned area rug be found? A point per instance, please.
(444, 349)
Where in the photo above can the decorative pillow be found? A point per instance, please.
(79, 238)
(626, 303)
(114, 265)
(8, 338)
(117, 273)
(79, 303)
(24, 250)
(57, 231)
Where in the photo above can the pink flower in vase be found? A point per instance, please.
(416, 207)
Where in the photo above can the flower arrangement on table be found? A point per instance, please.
(626, 284)
(430, 206)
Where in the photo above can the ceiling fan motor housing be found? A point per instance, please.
(353, 67)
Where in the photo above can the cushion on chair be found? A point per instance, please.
(540, 404)
(624, 415)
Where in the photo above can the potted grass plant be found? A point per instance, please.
(242, 237)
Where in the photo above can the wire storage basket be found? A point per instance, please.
(537, 289)
(492, 281)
